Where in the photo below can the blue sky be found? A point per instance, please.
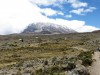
(80, 15)
(90, 17)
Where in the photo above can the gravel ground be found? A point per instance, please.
(95, 68)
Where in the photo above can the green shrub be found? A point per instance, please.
(71, 66)
(87, 61)
(54, 69)
(39, 72)
(86, 58)
(45, 62)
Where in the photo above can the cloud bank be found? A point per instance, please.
(15, 15)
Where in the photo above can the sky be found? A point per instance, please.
(80, 15)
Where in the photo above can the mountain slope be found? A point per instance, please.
(47, 28)
(97, 31)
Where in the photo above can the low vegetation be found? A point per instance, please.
(86, 58)
(61, 54)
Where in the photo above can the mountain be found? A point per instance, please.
(97, 31)
(47, 28)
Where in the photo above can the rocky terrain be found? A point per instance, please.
(56, 54)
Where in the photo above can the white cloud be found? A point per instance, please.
(55, 3)
(48, 2)
(43, 2)
(82, 11)
(15, 15)
(61, 13)
(90, 9)
(68, 16)
(77, 3)
(80, 4)
(80, 8)
(74, 3)
(6, 26)
(78, 11)
(49, 11)
(87, 28)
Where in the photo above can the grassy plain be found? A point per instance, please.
(13, 51)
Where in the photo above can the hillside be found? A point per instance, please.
(96, 31)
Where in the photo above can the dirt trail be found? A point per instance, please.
(95, 68)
